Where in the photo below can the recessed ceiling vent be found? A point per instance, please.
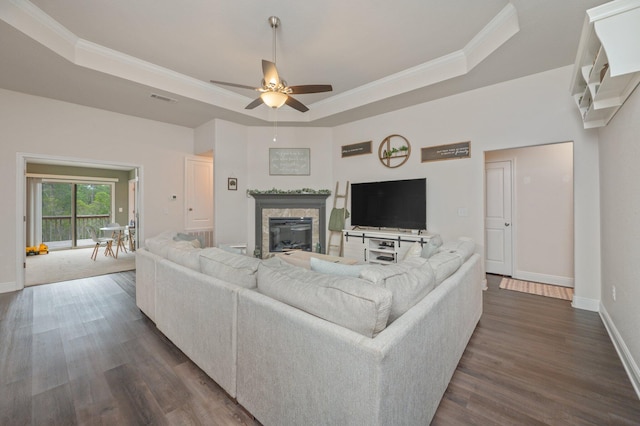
(163, 98)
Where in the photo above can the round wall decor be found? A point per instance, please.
(394, 151)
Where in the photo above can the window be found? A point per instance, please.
(69, 209)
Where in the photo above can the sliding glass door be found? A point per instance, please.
(57, 203)
(69, 209)
(93, 209)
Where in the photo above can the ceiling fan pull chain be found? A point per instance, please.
(275, 126)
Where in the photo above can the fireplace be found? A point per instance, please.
(306, 206)
(290, 233)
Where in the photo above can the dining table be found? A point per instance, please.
(117, 233)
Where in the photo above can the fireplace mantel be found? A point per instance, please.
(290, 201)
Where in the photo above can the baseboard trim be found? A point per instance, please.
(592, 305)
(544, 278)
(630, 365)
(8, 287)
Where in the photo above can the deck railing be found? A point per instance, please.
(58, 228)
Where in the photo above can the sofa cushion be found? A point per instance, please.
(349, 302)
(159, 245)
(333, 268)
(234, 268)
(462, 248)
(444, 264)
(188, 257)
(409, 281)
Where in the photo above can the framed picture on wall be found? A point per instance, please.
(232, 184)
(289, 161)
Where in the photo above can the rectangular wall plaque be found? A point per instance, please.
(289, 161)
(356, 149)
(446, 152)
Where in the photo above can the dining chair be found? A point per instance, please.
(106, 241)
(118, 237)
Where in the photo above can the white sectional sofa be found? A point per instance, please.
(295, 346)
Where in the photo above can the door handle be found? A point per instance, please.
(507, 224)
(190, 209)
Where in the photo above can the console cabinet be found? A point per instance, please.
(607, 67)
(382, 247)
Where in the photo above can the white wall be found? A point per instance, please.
(46, 127)
(230, 160)
(543, 211)
(529, 111)
(620, 212)
(260, 139)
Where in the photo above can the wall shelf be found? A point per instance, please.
(607, 67)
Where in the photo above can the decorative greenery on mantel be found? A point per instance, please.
(288, 191)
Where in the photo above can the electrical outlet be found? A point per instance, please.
(613, 293)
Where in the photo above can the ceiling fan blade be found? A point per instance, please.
(242, 86)
(311, 88)
(254, 103)
(270, 72)
(295, 104)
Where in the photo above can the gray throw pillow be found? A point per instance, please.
(432, 246)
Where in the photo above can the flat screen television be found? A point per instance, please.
(390, 204)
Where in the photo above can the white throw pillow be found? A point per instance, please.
(414, 251)
(333, 268)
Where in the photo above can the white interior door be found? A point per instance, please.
(199, 193)
(498, 224)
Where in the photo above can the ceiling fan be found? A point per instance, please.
(274, 91)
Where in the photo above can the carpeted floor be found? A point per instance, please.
(555, 291)
(64, 265)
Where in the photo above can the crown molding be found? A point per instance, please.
(33, 22)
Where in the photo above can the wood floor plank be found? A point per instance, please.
(134, 399)
(48, 362)
(166, 387)
(80, 352)
(15, 402)
(54, 407)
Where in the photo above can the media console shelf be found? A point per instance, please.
(377, 246)
(607, 67)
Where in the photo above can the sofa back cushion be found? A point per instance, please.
(349, 302)
(234, 268)
(162, 243)
(188, 257)
(450, 257)
(409, 281)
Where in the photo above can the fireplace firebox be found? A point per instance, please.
(290, 233)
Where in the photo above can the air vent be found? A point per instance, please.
(163, 98)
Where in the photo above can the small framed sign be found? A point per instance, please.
(356, 149)
(446, 152)
(289, 161)
(232, 184)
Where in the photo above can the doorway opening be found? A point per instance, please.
(529, 213)
(64, 202)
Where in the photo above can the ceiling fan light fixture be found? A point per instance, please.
(274, 99)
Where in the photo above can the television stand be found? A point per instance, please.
(378, 246)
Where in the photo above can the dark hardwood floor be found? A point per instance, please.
(80, 352)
